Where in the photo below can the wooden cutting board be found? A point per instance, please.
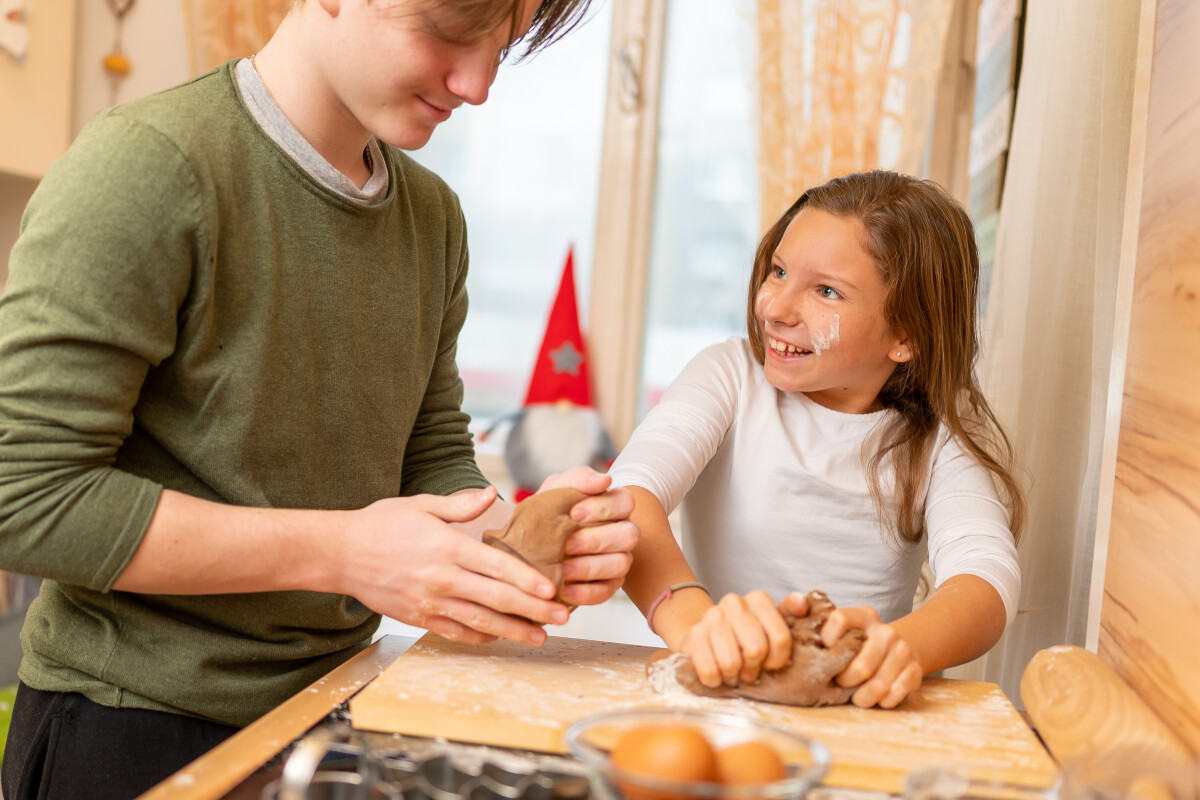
(513, 695)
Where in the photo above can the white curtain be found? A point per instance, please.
(1048, 331)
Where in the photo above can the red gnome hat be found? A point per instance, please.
(557, 428)
(560, 372)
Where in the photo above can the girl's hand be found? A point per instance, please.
(599, 556)
(738, 638)
(886, 670)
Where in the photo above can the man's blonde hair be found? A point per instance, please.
(462, 20)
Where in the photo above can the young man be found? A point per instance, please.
(230, 425)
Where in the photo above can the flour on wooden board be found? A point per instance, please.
(661, 675)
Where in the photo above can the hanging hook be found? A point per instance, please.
(631, 92)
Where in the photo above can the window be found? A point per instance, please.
(526, 167)
(706, 190)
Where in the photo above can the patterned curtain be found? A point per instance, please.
(844, 85)
(219, 30)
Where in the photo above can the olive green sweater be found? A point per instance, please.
(187, 308)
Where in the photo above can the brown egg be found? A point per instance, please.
(749, 763)
(664, 751)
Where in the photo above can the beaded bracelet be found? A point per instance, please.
(667, 592)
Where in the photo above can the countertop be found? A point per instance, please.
(241, 767)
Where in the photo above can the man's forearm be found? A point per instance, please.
(195, 546)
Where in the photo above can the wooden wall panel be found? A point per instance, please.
(1150, 617)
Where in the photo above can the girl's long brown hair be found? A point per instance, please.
(923, 243)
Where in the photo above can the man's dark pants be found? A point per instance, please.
(65, 747)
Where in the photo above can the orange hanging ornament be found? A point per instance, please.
(116, 63)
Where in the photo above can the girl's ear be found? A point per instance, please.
(901, 350)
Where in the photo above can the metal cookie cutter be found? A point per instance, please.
(324, 767)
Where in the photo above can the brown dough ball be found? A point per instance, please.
(806, 680)
(538, 532)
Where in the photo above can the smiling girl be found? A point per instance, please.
(835, 448)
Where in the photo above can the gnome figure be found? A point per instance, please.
(557, 428)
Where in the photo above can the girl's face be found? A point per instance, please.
(820, 315)
(388, 73)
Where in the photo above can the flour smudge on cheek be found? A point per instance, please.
(823, 340)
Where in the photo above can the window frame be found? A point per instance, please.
(625, 212)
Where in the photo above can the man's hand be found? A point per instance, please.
(404, 560)
(598, 556)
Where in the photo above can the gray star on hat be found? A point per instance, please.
(566, 358)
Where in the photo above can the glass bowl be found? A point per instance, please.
(591, 739)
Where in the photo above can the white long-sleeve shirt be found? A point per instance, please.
(775, 495)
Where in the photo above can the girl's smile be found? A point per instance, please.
(782, 349)
(820, 315)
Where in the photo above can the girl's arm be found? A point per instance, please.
(658, 563)
(727, 641)
(969, 540)
(666, 455)
(959, 622)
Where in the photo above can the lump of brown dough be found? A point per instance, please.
(806, 680)
(538, 532)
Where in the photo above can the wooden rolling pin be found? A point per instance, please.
(1101, 732)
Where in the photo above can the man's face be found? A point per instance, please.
(397, 68)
